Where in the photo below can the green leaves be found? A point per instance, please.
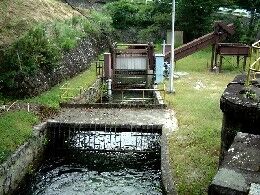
(194, 17)
(31, 52)
(123, 13)
(150, 20)
(42, 47)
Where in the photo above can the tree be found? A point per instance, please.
(123, 13)
(150, 20)
(253, 6)
(194, 17)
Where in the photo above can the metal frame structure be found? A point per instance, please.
(127, 64)
(221, 31)
(130, 67)
(255, 66)
(105, 137)
(232, 49)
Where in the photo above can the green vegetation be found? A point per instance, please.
(15, 129)
(199, 22)
(194, 147)
(51, 98)
(41, 48)
(195, 18)
(18, 16)
(252, 27)
(150, 20)
(31, 52)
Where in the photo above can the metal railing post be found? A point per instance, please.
(254, 68)
(164, 91)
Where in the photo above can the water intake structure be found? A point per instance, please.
(113, 138)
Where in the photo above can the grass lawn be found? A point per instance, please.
(52, 97)
(194, 147)
(16, 127)
(19, 15)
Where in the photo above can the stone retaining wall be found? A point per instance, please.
(72, 63)
(92, 94)
(22, 162)
(88, 96)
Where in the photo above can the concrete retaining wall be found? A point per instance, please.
(21, 163)
(167, 175)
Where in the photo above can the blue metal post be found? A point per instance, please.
(159, 67)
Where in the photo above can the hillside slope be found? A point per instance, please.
(17, 16)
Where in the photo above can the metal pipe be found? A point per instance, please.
(171, 88)
(109, 87)
(163, 47)
(138, 89)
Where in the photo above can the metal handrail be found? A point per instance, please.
(66, 91)
(143, 90)
(254, 45)
(254, 68)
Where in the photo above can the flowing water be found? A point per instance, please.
(81, 172)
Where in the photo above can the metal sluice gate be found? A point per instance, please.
(105, 137)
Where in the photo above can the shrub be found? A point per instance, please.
(41, 48)
(123, 13)
(151, 34)
(66, 35)
(145, 18)
(31, 52)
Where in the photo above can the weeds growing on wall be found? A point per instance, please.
(42, 47)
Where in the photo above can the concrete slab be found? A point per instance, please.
(254, 189)
(120, 117)
(240, 167)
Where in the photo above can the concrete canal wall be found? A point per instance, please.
(23, 161)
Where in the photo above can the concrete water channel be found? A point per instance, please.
(88, 153)
(115, 147)
(105, 151)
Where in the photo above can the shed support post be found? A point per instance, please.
(107, 65)
(220, 63)
(244, 64)
(213, 50)
(237, 61)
